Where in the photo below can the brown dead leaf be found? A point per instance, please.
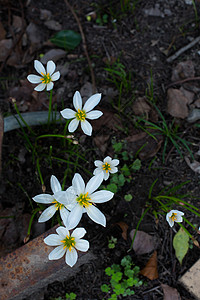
(151, 269)
(177, 104)
(5, 46)
(109, 119)
(183, 70)
(170, 293)
(136, 137)
(101, 142)
(194, 166)
(124, 228)
(141, 107)
(143, 243)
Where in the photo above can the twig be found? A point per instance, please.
(183, 49)
(183, 81)
(84, 45)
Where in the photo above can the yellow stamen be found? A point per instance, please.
(173, 216)
(58, 205)
(69, 242)
(46, 78)
(81, 115)
(84, 200)
(106, 167)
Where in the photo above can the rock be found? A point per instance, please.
(194, 115)
(53, 54)
(45, 14)
(177, 104)
(5, 46)
(53, 25)
(183, 70)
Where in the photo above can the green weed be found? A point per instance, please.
(123, 278)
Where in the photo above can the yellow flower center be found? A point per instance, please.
(58, 205)
(80, 115)
(173, 216)
(69, 242)
(46, 78)
(106, 167)
(83, 200)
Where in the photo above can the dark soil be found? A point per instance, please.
(137, 40)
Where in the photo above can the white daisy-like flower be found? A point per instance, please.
(54, 199)
(67, 243)
(174, 216)
(82, 113)
(46, 77)
(107, 166)
(84, 200)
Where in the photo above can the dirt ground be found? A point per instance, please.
(142, 40)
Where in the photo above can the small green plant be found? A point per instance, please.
(123, 278)
(68, 296)
(169, 132)
(112, 242)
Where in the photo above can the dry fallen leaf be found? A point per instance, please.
(124, 228)
(194, 166)
(151, 269)
(109, 119)
(177, 104)
(183, 70)
(143, 243)
(101, 142)
(170, 293)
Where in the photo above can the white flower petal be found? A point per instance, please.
(92, 102)
(86, 127)
(40, 87)
(63, 232)
(101, 196)
(115, 162)
(75, 216)
(78, 233)
(43, 198)
(73, 125)
(106, 175)
(94, 114)
(179, 218)
(55, 184)
(47, 214)
(113, 170)
(39, 67)
(68, 113)
(50, 86)
(51, 67)
(57, 253)
(78, 184)
(34, 78)
(97, 171)
(98, 163)
(64, 213)
(71, 257)
(55, 76)
(96, 215)
(94, 183)
(107, 159)
(82, 245)
(77, 101)
(53, 240)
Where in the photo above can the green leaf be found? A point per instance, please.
(67, 39)
(181, 244)
(136, 165)
(128, 197)
(112, 187)
(125, 170)
(109, 271)
(117, 147)
(105, 288)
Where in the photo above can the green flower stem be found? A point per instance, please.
(162, 205)
(176, 200)
(138, 224)
(52, 135)
(190, 224)
(39, 171)
(21, 118)
(31, 221)
(50, 106)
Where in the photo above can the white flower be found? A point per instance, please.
(54, 199)
(46, 78)
(85, 200)
(174, 216)
(81, 114)
(67, 244)
(107, 166)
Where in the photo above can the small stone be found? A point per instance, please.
(194, 115)
(53, 54)
(45, 14)
(53, 25)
